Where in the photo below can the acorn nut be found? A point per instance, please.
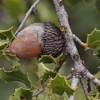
(38, 39)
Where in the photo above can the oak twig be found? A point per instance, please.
(69, 76)
(88, 85)
(42, 89)
(78, 40)
(33, 8)
(74, 83)
(61, 61)
(39, 91)
(70, 45)
(73, 73)
(84, 87)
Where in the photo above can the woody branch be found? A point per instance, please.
(71, 48)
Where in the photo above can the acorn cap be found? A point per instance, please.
(53, 40)
(38, 39)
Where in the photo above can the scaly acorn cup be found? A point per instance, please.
(38, 39)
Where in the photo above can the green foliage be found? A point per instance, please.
(47, 75)
(97, 75)
(15, 75)
(96, 96)
(2, 44)
(47, 59)
(42, 69)
(13, 60)
(5, 37)
(93, 39)
(4, 34)
(59, 85)
(98, 54)
(13, 97)
(23, 93)
(43, 72)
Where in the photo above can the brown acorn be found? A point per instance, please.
(38, 39)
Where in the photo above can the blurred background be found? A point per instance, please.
(83, 18)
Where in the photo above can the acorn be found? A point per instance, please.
(38, 39)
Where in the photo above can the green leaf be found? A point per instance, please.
(9, 34)
(23, 93)
(44, 73)
(2, 44)
(13, 60)
(13, 75)
(97, 75)
(95, 96)
(42, 69)
(59, 85)
(98, 54)
(5, 37)
(13, 97)
(47, 59)
(49, 74)
(93, 39)
(2, 52)
(4, 34)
